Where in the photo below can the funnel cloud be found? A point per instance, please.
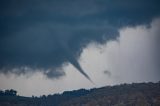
(70, 57)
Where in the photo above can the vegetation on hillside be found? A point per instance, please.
(135, 94)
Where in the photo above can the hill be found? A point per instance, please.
(135, 94)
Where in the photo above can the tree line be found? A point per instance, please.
(10, 92)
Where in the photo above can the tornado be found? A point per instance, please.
(70, 57)
(75, 63)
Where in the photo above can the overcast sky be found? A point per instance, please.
(52, 46)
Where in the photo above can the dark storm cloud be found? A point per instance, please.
(46, 34)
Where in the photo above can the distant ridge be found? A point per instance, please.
(135, 94)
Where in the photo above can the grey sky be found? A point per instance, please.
(44, 35)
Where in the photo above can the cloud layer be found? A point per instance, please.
(133, 57)
(44, 35)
